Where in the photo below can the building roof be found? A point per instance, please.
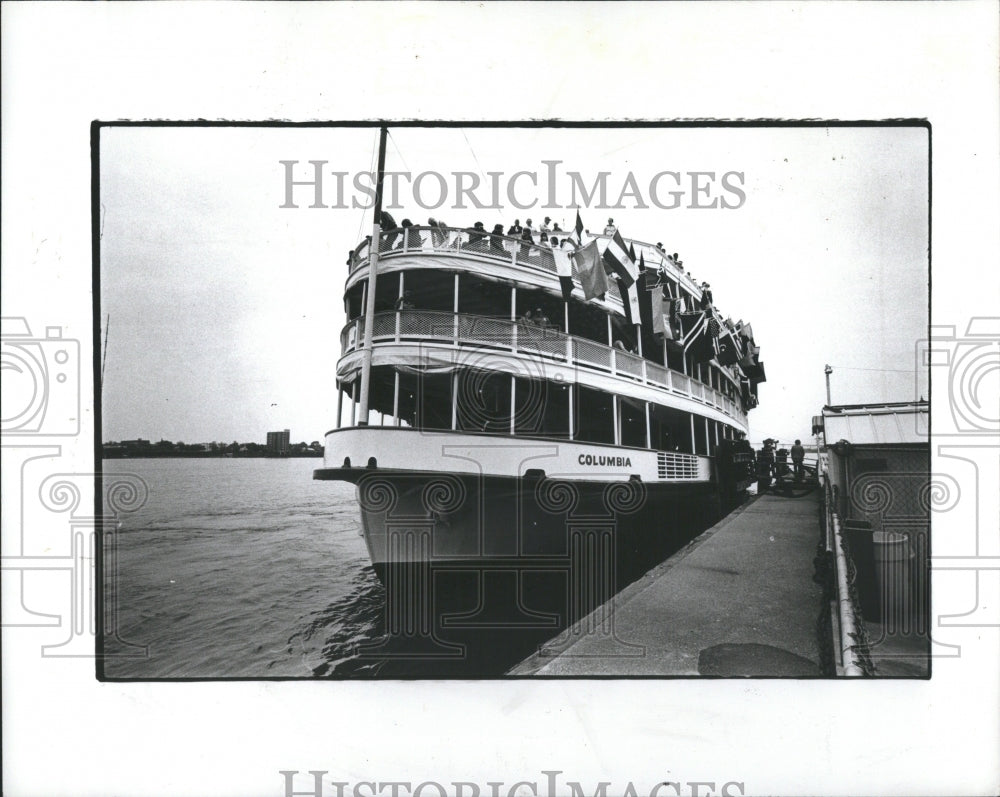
(898, 423)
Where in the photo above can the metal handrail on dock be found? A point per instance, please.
(845, 606)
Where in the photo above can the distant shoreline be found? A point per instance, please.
(209, 455)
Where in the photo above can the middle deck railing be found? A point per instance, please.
(517, 337)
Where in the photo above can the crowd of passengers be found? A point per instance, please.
(549, 236)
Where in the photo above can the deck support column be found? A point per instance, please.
(513, 318)
(395, 398)
(513, 385)
(455, 327)
(572, 430)
(614, 420)
(354, 402)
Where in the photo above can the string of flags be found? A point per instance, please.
(649, 302)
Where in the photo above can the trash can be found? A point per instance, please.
(858, 536)
(894, 566)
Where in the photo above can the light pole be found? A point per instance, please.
(827, 370)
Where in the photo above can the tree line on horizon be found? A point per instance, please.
(167, 448)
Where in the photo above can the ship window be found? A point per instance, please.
(541, 408)
(551, 307)
(431, 290)
(594, 418)
(483, 401)
(386, 292)
(434, 409)
(652, 347)
(632, 421)
(380, 394)
(588, 321)
(670, 429)
(477, 296)
(675, 359)
(408, 387)
(353, 298)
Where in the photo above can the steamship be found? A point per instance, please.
(497, 415)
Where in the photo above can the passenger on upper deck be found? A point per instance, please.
(438, 235)
(496, 241)
(388, 225)
(405, 302)
(477, 234)
(528, 239)
(706, 296)
(515, 229)
(411, 236)
(541, 319)
(545, 228)
(610, 228)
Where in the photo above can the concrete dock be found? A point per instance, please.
(739, 600)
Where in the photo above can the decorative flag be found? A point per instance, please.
(656, 306)
(752, 366)
(659, 279)
(593, 280)
(579, 228)
(645, 305)
(565, 270)
(618, 262)
(728, 350)
(672, 323)
(650, 299)
(702, 345)
(691, 323)
(695, 338)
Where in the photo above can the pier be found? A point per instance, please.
(739, 600)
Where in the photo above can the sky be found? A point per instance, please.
(223, 309)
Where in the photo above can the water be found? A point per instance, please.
(248, 568)
(241, 568)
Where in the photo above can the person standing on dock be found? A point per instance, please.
(765, 466)
(798, 454)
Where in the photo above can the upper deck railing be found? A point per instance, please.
(458, 329)
(513, 251)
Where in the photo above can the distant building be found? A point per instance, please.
(278, 443)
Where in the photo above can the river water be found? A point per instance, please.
(240, 568)
(248, 568)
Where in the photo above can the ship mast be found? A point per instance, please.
(366, 360)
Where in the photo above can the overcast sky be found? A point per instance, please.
(226, 309)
